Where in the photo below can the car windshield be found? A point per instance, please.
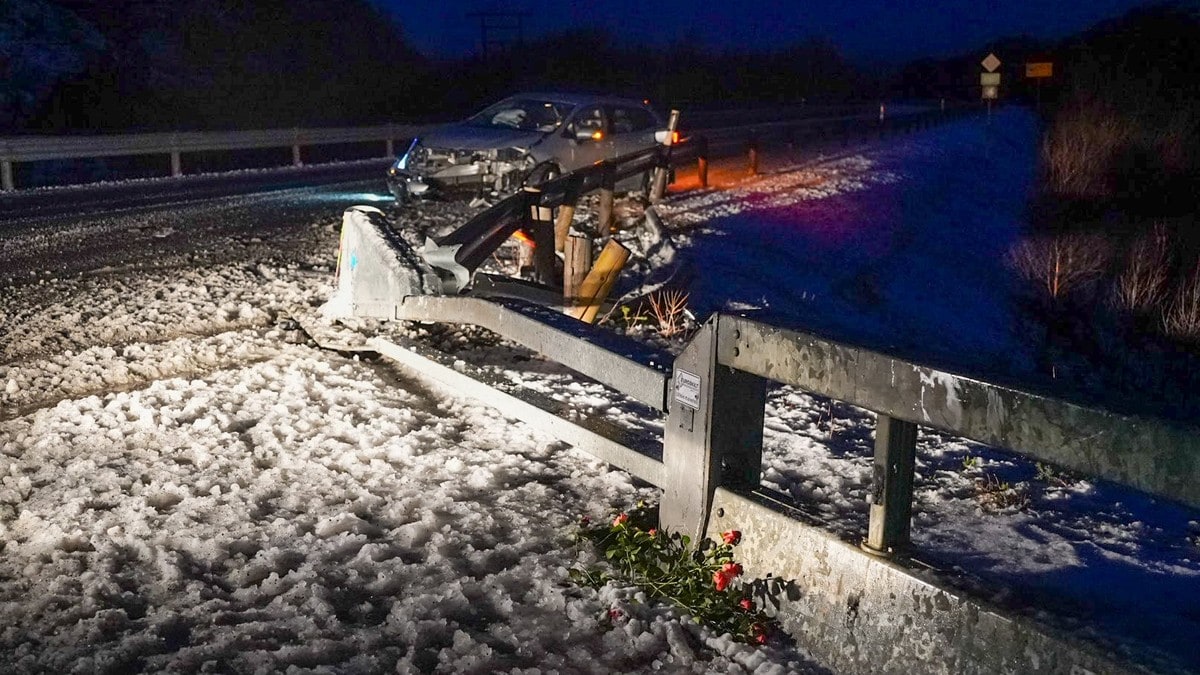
(524, 114)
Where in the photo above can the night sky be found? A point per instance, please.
(867, 31)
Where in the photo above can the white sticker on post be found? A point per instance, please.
(687, 389)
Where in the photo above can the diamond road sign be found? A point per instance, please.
(991, 63)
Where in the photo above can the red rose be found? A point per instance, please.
(732, 569)
(720, 580)
(747, 604)
(731, 538)
(621, 519)
(653, 532)
(760, 633)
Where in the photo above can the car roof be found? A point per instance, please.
(576, 99)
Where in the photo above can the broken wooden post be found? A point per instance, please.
(891, 486)
(566, 215)
(608, 221)
(539, 220)
(662, 170)
(600, 281)
(577, 262)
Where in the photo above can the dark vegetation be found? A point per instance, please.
(120, 65)
(1113, 255)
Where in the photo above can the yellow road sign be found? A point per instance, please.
(990, 63)
(1039, 70)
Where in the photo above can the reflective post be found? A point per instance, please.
(6, 176)
(661, 171)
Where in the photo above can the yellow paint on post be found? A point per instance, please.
(600, 281)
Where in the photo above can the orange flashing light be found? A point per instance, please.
(524, 238)
(597, 135)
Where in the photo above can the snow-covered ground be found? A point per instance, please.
(186, 483)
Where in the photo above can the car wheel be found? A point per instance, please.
(542, 173)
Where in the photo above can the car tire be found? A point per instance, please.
(542, 173)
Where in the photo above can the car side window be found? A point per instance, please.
(628, 120)
(589, 119)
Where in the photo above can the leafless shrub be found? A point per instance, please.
(669, 309)
(994, 494)
(1079, 151)
(1061, 264)
(1143, 283)
(1181, 319)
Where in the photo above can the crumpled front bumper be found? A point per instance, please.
(485, 174)
(405, 185)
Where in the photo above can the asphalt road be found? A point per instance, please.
(190, 231)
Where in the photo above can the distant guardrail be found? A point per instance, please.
(718, 125)
(14, 149)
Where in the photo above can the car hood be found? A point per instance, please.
(467, 137)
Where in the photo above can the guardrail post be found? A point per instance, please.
(577, 262)
(713, 434)
(702, 160)
(539, 220)
(6, 176)
(296, 159)
(752, 155)
(891, 486)
(176, 164)
(607, 197)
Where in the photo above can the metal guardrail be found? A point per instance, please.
(15, 149)
(711, 457)
(709, 462)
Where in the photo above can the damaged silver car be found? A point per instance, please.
(523, 140)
